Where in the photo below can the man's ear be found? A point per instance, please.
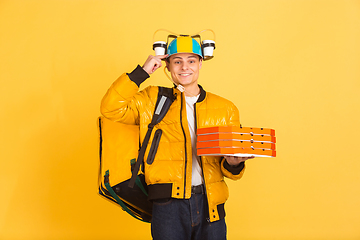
(200, 63)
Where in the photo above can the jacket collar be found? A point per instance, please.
(202, 93)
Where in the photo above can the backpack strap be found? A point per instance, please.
(164, 100)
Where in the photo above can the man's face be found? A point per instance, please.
(184, 68)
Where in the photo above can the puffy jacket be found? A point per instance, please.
(168, 158)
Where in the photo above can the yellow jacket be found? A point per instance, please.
(168, 158)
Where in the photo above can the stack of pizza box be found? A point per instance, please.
(236, 141)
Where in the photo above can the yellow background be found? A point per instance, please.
(289, 65)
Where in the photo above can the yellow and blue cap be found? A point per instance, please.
(184, 44)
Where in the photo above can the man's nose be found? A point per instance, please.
(185, 66)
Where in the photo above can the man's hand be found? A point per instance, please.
(152, 63)
(234, 161)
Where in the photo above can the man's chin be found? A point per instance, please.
(185, 83)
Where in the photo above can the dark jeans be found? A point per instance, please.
(185, 219)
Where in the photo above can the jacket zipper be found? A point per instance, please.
(182, 127)
(202, 169)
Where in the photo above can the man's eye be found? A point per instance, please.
(177, 62)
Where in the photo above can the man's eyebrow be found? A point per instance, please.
(182, 58)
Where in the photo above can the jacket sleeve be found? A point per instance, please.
(123, 99)
(232, 172)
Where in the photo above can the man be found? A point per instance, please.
(188, 191)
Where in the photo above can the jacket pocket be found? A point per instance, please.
(154, 146)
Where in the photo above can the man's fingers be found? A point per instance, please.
(156, 66)
(162, 56)
(153, 63)
(233, 160)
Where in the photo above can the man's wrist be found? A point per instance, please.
(234, 166)
(234, 169)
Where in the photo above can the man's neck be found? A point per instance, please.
(192, 91)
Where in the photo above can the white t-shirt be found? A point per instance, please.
(196, 169)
